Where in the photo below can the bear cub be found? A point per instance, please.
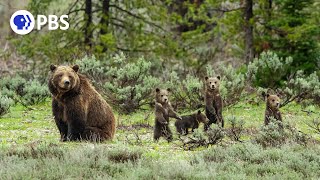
(163, 110)
(272, 108)
(190, 121)
(79, 111)
(213, 101)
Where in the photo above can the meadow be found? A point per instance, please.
(30, 149)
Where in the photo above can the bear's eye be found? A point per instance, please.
(70, 77)
(161, 95)
(272, 100)
(210, 82)
(215, 82)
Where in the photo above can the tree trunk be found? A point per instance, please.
(104, 22)
(248, 15)
(88, 18)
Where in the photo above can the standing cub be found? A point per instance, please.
(272, 109)
(190, 121)
(163, 110)
(213, 101)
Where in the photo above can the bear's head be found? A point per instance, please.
(212, 83)
(162, 95)
(273, 101)
(202, 117)
(63, 78)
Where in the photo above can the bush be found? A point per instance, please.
(130, 85)
(269, 70)
(22, 91)
(236, 130)
(186, 93)
(272, 134)
(5, 104)
(301, 87)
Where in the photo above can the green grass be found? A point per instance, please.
(30, 149)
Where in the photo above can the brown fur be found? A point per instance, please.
(79, 110)
(190, 121)
(213, 101)
(163, 110)
(272, 109)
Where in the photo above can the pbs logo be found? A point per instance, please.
(22, 22)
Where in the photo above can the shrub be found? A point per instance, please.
(236, 130)
(34, 93)
(300, 87)
(129, 85)
(22, 91)
(5, 104)
(124, 154)
(186, 92)
(272, 134)
(269, 70)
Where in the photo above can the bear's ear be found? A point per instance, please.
(268, 94)
(157, 90)
(218, 77)
(199, 112)
(53, 67)
(169, 90)
(75, 68)
(206, 78)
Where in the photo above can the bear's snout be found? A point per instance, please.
(67, 82)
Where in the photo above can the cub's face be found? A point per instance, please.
(273, 101)
(212, 83)
(202, 117)
(64, 78)
(162, 95)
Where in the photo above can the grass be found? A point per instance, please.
(30, 149)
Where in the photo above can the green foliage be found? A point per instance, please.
(236, 129)
(301, 87)
(269, 70)
(130, 84)
(186, 92)
(34, 93)
(5, 104)
(25, 92)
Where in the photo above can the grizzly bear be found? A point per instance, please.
(213, 101)
(272, 109)
(190, 121)
(163, 110)
(79, 110)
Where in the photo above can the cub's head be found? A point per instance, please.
(212, 83)
(162, 95)
(202, 117)
(63, 78)
(273, 101)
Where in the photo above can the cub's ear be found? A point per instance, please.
(218, 77)
(75, 68)
(199, 112)
(206, 78)
(157, 90)
(53, 67)
(268, 94)
(169, 90)
(263, 94)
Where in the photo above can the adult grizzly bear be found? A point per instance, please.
(190, 121)
(79, 110)
(213, 101)
(272, 108)
(163, 110)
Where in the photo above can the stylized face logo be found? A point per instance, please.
(22, 22)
